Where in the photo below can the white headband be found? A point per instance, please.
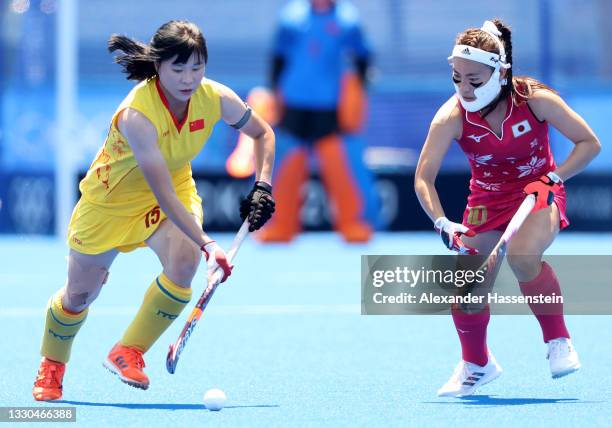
(484, 57)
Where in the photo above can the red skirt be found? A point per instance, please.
(490, 210)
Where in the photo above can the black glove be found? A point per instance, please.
(258, 205)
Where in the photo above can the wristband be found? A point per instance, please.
(554, 177)
(264, 186)
(203, 246)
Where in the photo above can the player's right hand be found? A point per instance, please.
(451, 232)
(258, 205)
(215, 254)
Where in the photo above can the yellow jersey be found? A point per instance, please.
(114, 183)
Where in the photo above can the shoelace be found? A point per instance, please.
(49, 376)
(134, 357)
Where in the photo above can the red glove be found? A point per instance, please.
(220, 259)
(544, 189)
(451, 235)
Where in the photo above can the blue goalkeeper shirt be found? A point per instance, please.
(316, 47)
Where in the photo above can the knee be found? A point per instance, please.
(84, 283)
(80, 292)
(182, 265)
(525, 265)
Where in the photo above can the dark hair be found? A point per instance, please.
(519, 87)
(181, 38)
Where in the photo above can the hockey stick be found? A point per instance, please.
(496, 257)
(213, 281)
(493, 262)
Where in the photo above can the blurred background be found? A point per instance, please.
(59, 88)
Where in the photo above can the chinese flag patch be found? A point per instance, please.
(196, 125)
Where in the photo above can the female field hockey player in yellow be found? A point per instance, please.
(139, 191)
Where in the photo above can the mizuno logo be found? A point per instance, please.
(477, 138)
(493, 59)
(466, 51)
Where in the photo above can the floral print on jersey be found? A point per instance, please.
(532, 167)
(479, 159)
(503, 161)
(492, 187)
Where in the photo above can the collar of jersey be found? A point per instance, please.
(179, 125)
(475, 119)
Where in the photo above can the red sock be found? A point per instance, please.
(472, 330)
(549, 315)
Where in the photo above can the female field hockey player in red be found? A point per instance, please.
(501, 123)
(139, 191)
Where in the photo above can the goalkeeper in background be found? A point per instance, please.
(321, 99)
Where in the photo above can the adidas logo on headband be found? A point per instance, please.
(482, 56)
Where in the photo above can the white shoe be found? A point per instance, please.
(468, 377)
(562, 357)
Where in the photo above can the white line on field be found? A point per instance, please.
(106, 311)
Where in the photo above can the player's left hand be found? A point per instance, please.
(258, 205)
(217, 258)
(544, 190)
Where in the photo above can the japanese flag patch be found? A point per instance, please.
(521, 128)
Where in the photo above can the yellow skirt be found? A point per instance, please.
(93, 230)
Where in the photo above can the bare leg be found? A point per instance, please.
(179, 255)
(532, 239)
(67, 308)
(86, 275)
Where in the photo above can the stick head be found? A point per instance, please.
(489, 269)
(494, 261)
(177, 348)
(171, 359)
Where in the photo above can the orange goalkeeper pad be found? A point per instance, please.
(352, 105)
(240, 163)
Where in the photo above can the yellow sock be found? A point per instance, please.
(60, 329)
(162, 304)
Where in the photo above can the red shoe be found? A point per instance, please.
(127, 363)
(48, 383)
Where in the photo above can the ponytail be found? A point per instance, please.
(137, 60)
(520, 87)
(174, 38)
(508, 88)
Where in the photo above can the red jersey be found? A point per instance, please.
(509, 162)
(503, 165)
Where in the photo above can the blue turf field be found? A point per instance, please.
(285, 340)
